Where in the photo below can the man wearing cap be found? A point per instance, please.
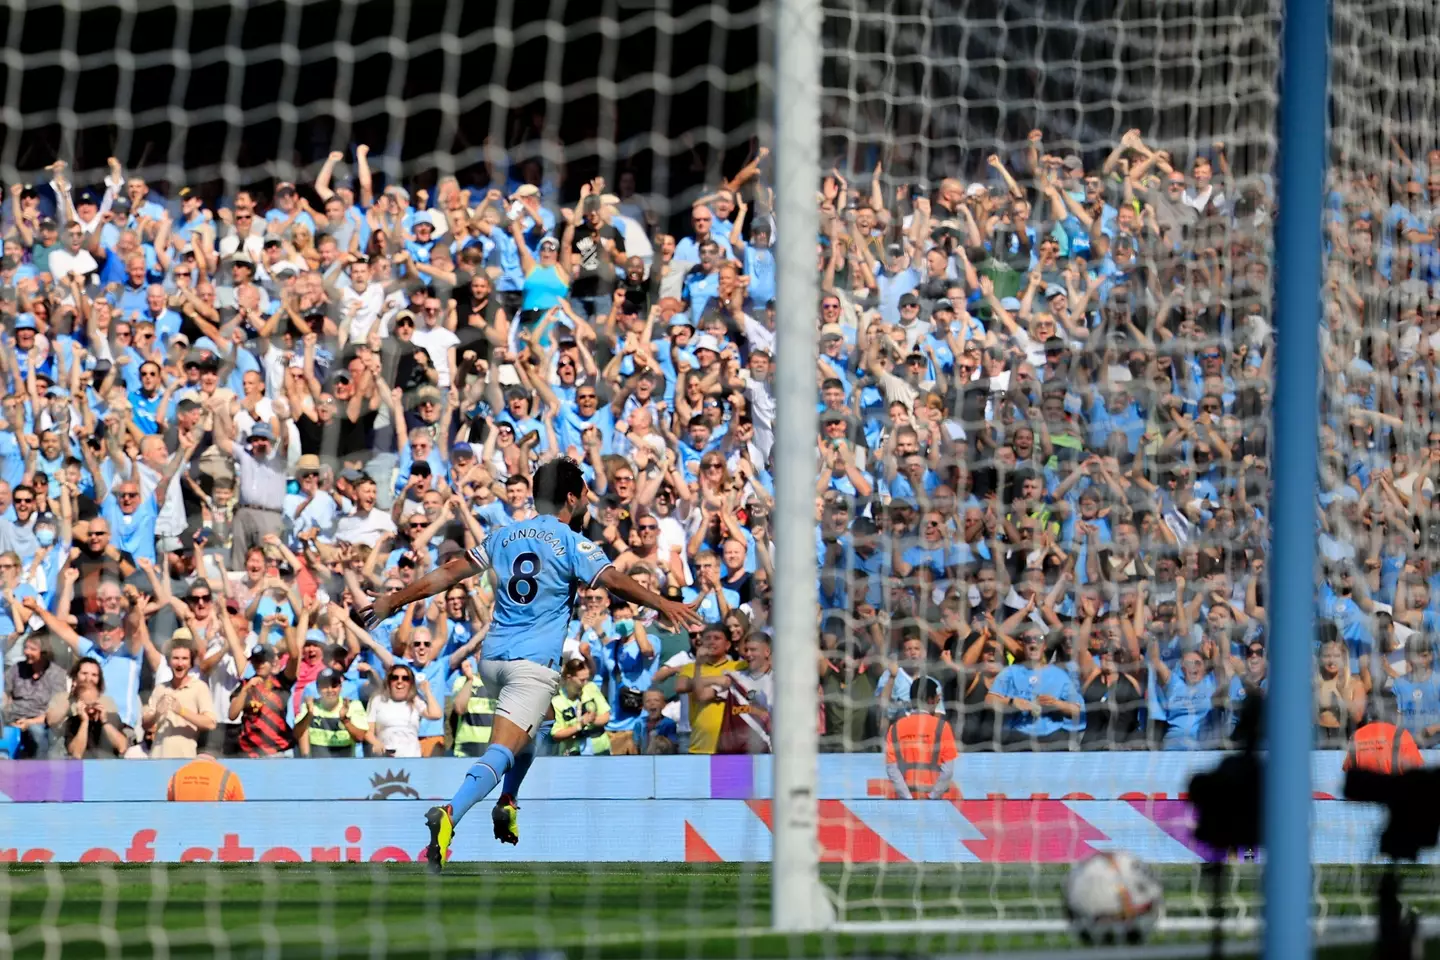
(90, 212)
(536, 221)
(896, 277)
(397, 352)
(312, 664)
(596, 247)
(25, 210)
(519, 414)
(673, 350)
(188, 411)
(192, 216)
(272, 255)
(702, 283)
(636, 237)
(330, 724)
(119, 218)
(910, 324)
(246, 297)
(25, 331)
(260, 706)
(1072, 170)
(312, 508)
(287, 212)
(260, 460)
(462, 460)
(47, 239)
(427, 228)
(280, 279)
(945, 331)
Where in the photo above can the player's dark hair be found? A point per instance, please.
(553, 483)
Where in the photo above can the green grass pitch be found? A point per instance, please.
(579, 910)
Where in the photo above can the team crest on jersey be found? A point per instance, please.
(587, 547)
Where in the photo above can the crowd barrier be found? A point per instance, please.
(1007, 808)
(1014, 776)
(854, 831)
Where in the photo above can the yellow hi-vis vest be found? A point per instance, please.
(475, 724)
(568, 713)
(327, 730)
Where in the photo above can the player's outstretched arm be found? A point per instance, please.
(680, 615)
(439, 580)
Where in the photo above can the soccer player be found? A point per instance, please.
(537, 566)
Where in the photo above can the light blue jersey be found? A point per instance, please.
(538, 564)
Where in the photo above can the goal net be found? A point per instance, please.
(1036, 344)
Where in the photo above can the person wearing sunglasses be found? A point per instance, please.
(396, 711)
(538, 564)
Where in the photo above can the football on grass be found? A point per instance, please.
(1112, 898)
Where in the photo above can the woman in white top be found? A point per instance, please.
(396, 711)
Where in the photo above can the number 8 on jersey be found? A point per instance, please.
(539, 564)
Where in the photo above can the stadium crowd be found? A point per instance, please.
(1042, 478)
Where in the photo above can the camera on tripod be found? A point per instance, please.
(1228, 802)
(1412, 828)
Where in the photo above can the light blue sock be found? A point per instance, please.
(516, 774)
(482, 778)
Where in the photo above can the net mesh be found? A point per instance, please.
(932, 92)
(225, 95)
(665, 100)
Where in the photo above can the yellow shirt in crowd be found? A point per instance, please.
(705, 717)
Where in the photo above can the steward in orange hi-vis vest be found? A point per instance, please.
(1382, 747)
(920, 747)
(204, 780)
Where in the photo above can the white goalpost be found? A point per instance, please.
(799, 900)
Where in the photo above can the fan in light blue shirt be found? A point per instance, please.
(1041, 701)
(1194, 714)
(132, 529)
(1043, 688)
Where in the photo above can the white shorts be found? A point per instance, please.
(525, 690)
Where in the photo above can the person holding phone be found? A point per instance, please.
(395, 712)
(86, 718)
